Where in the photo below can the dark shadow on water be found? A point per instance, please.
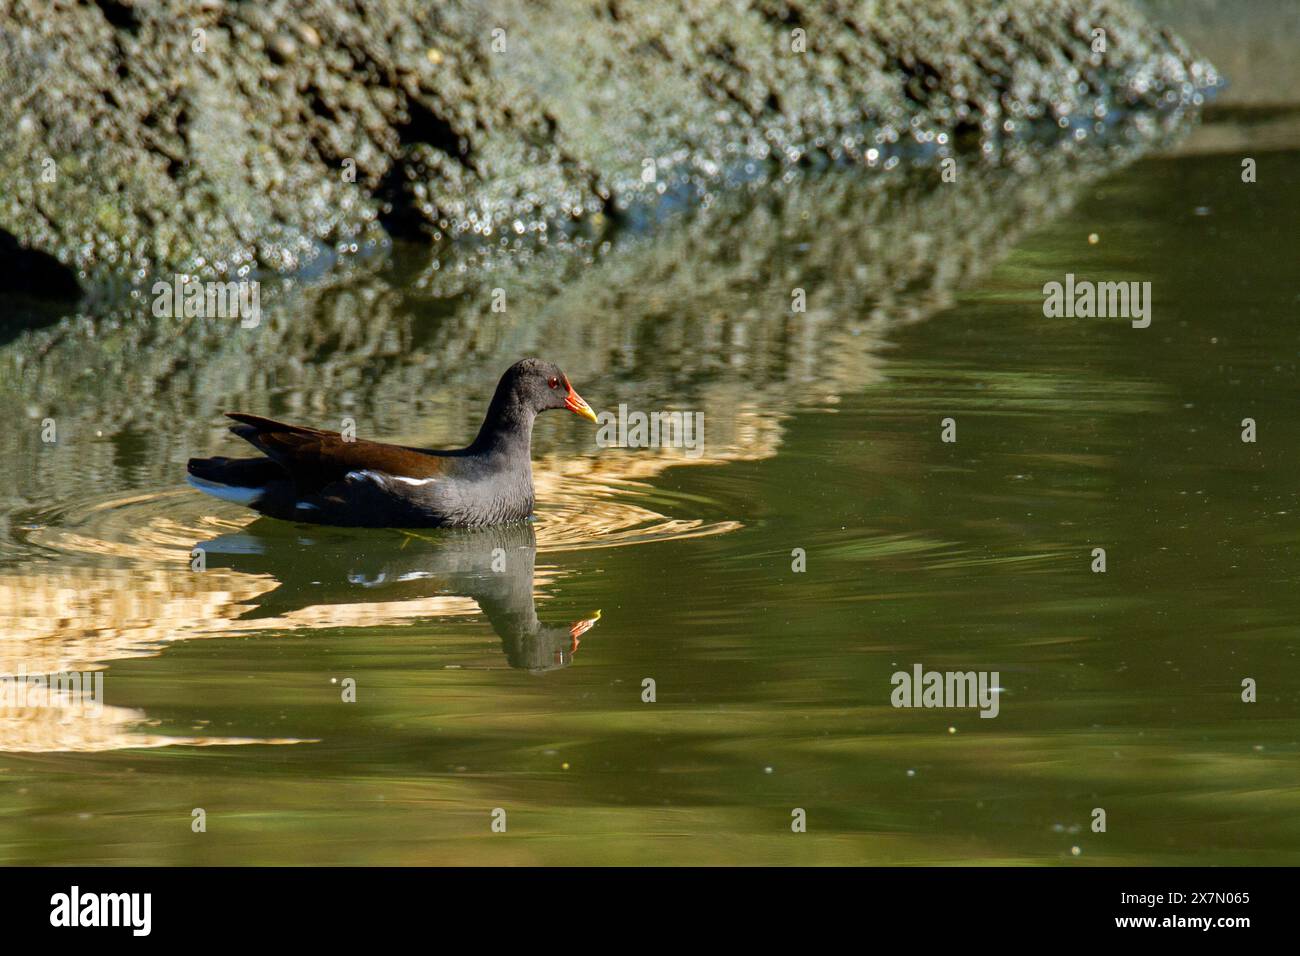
(494, 567)
(36, 288)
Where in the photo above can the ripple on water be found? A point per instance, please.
(161, 527)
(110, 578)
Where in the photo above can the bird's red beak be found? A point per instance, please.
(574, 403)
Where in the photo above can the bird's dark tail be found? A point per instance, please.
(234, 479)
(240, 472)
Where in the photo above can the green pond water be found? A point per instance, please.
(223, 689)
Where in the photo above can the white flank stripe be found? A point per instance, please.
(379, 478)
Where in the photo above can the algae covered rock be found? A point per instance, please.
(223, 137)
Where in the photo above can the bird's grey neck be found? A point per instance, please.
(507, 430)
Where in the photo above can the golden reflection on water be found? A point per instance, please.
(122, 585)
(64, 728)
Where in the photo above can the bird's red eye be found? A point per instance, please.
(553, 382)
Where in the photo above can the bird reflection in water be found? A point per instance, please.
(494, 567)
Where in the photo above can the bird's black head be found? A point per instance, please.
(537, 385)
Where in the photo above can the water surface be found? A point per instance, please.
(478, 689)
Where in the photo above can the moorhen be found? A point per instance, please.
(320, 477)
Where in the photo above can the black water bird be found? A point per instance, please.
(324, 478)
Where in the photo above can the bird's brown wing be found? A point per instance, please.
(315, 458)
